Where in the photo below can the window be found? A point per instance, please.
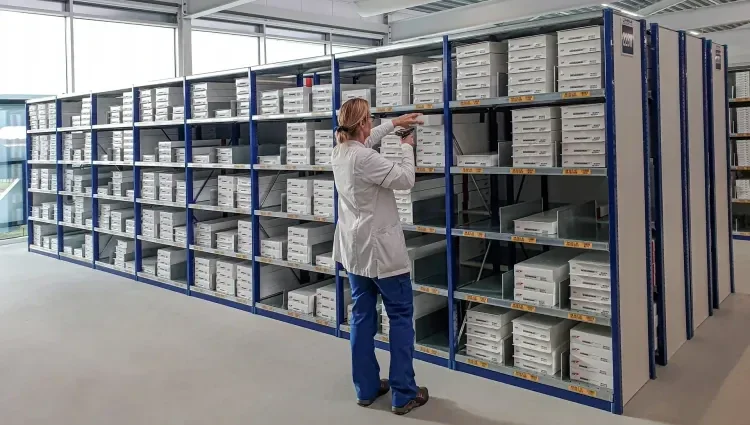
(214, 51)
(285, 50)
(33, 54)
(343, 49)
(109, 55)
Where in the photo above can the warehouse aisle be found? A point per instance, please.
(82, 347)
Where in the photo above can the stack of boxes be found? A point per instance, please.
(742, 85)
(742, 189)
(307, 241)
(122, 146)
(487, 329)
(539, 343)
(124, 255)
(127, 107)
(297, 100)
(302, 300)
(171, 263)
(742, 120)
(242, 90)
(42, 116)
(73, 244)
(213, 100)
(299, 195)
(429, 315)
(42, 235)
(367, 93)
(481, 70)
(271, 102)
(150, 220)
(325, 301)
(105, 213)
(122, 183)
(531, 65)
(322, 97)
(590, 287)
(157, 104)
(580, 64)
(169, 222)
(324, 143)
(591, 355)
(469, 134)
(73, 146)
(226, 275)
(422, 202)
(393, 80)
(233, 188)
(541, 280)
(323, 200)
(536, 137)
(274, 232)
(428, 83)
(300, 142)
(584, 136)
(81, 211)
(206, 232)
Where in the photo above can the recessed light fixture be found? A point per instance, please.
(627, 12)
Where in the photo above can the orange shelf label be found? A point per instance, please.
(523, 307)
(384, 109)
(527, 171)
(424, 106)
(427, 350)
(469, 103)
(581, 245)
(425, 169)
(521, 239)
(294, 314)
(581, 318)
(521, 99)
(265, 307)
(428, 290)
(321, 219)
(294, 265)
(383, 338)
(323, 269)
(319, 168)
(473, 234)
(577, 172)
(321, 322)
(426, 229)
(265, 260)
(478, 363)
(576, 94)
(292, 216)
(476, 299)
(472, 170)
(582, 390)
(527, 376)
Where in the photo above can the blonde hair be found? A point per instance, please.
(353, 113)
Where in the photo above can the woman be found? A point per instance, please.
(369, 243)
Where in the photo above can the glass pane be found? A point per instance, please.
(111, 55)
(286, 50)
(213, 51)
(343, 49)
(12, 155)
(33, 54)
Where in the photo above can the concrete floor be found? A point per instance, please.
(80, 347)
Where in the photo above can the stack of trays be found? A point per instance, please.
(481, 70)
(536, 137)
(539, 343)
(590, 287)
(591, 355)
(531, 65)
(271, 102)
(487, 329)
(584, 136)
(428, 82)
(579, 53)
(541, 280)
(297, 100)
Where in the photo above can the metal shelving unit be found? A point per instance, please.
(626, 235)
(740, 211)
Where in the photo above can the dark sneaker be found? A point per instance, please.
(385, 386)
(420, 400)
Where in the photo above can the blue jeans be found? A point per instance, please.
(399, 304)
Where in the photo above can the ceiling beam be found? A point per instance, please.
(704, 17)
(368, 8)
(480, 15)
(200, 8)
(658, 7)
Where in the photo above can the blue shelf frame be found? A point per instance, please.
(615, 404)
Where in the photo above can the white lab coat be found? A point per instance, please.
(369, 240)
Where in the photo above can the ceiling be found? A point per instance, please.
(661, 6)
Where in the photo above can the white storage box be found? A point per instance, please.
(551, 266)
(491, 316)
(480, 49)
(544, 328)
(588, 161)
(579, 47)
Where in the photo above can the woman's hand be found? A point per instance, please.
(407, 120)
(409, 140)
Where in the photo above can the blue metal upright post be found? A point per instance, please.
(316, 78)
(659, 219)
(707, 137)
(336, 86)
(60, 178)
(137, 181)
(729, 165)
(190, 226)
(686, 216)
(94, 180)
(27, 199)
(609, 88)
(647, 192)
(452, 263)
(255, 201)
(712, 171)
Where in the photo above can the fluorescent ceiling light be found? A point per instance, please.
(694, 32)
(627, 12)
(367, 8)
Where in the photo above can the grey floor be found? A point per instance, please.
(82, 347)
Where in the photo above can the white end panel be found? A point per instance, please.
(671, 187)
(721, 185)
(742, 267)
(698, 217)
(631, 215)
